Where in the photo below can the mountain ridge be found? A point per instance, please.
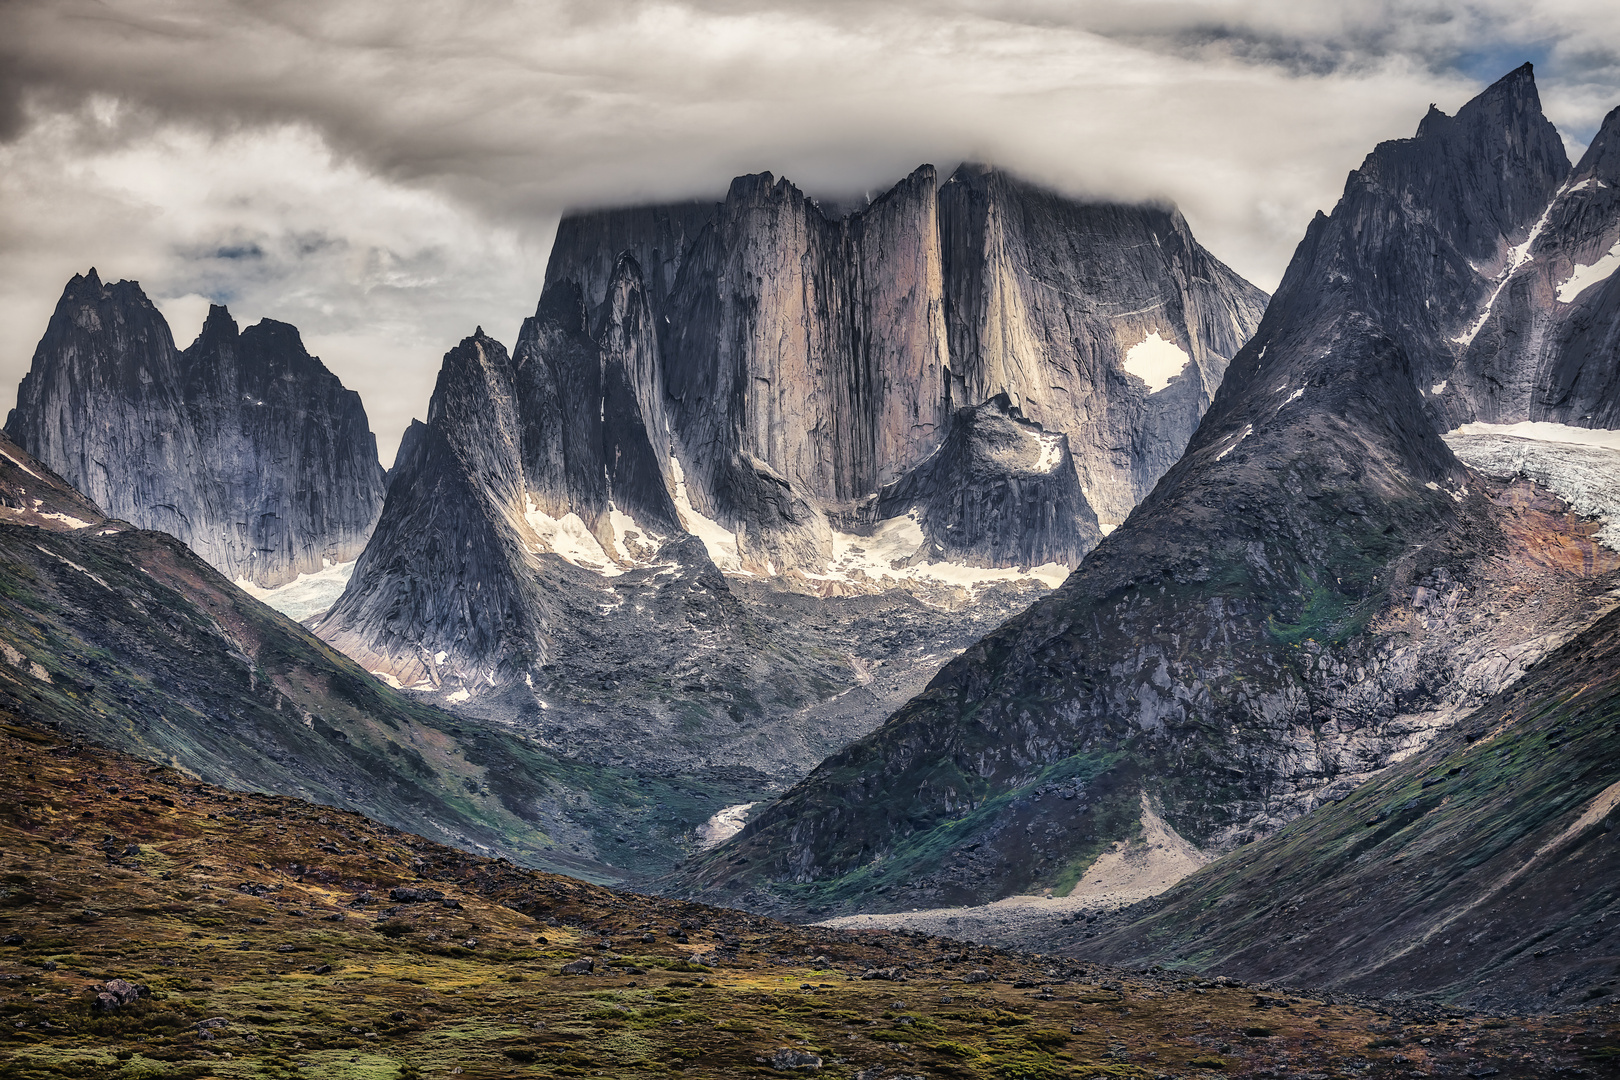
(242, 445)
(1315, 587)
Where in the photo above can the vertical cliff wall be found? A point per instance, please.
(811, 359)
(832, 402)
(243, 446)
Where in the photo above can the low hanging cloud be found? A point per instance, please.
(387, 176)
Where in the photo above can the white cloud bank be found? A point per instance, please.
(386, 176)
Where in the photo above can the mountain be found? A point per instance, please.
(243, 445)
(1314, 590)
(1542, 349)
(155, 925)
(1474, 873)
(717, 405)
(810, 361)
(127, 638)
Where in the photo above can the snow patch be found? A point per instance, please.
(1517, 257)
(632, 543)
(723, 826)
(1295, 396)
(1439, 388)
(720, 541)
(568, 538)
(1584, 277)
(77, 567)
(886, 556)
(1544, 431)
(389, 679)
(1244, 434)
(69, 520)
(307, 595)
(20, 465)
(459, 695)
(1156, 361)
(1106, 527)
(1051, 452)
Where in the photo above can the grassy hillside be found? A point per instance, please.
(271, 943)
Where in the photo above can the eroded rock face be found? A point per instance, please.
(811, 359)
(763, 389)
(1545, 345)
(243, 446)
(1311, 592)
(1048, 297)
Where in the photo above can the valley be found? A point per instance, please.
(966, 631)
(152, 925)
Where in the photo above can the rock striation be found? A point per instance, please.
(243, 445)
(1311, 592)
(768, 389)
(1543, 346)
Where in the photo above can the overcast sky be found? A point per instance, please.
(386, 176)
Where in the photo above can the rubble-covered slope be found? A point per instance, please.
(1476, 873)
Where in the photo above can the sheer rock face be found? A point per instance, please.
(1545, 349)
(1313, 589)
(1045, 299)
(243, 446)
(810, 360)
(764, 377)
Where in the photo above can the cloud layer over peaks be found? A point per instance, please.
(386, 176)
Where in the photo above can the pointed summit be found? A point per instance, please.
(1602, 158)
(243, 447)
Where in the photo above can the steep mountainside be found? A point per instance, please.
(811, 360)
(244, 446)
(156, 926)
(126, 637)
(711, 397)
(1544, 347)
(593, 632)
(1310, 593)
(1476, 873)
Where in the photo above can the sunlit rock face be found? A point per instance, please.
(716, 403)
(810, 360)
(243, 445)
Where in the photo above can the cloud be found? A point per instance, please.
(387, 175)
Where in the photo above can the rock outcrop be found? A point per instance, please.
(243, 446)
(1543, 346)
(809, 360)
(727, 488)
(1312, 591)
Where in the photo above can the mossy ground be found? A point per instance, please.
(253, 910)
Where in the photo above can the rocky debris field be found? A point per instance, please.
(154, 926)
